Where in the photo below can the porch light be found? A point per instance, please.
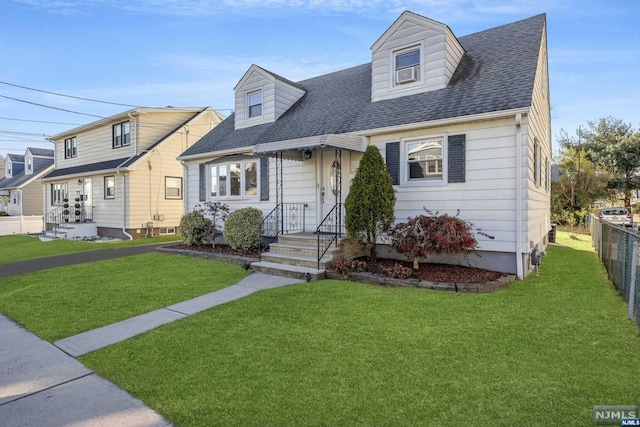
(306, 154)
(80, 182)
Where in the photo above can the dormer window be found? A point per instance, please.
(8, 170)
(254, 103)
(407, 65)
(70, 147)
(29, 161)
(121, 136)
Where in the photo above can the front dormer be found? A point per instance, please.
(262, 97)
(14, 164)
(415, 55)
(28, 163)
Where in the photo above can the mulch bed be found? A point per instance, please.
(440, 272)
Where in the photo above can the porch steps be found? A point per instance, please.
(296, 256)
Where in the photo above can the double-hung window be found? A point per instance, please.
(172, 187)
(110, 187)
(407, 65)
(59, 192)
(424, 159)
(234, 179)
(29, 161)
(121, 135)
(254, 103)
(70, 147)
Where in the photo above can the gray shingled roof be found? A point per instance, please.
(44, 152)
(21, 177)
(496, 73)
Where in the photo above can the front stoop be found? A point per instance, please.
(295, 256)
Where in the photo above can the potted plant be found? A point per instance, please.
(65, 212)
(77, 211)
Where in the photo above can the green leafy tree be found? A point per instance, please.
(615, 146)
(370, 203)
(580, 182)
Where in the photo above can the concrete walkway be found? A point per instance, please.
(41, 384)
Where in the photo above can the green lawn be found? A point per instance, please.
(65, 301)
(542, 352)
(18, 248)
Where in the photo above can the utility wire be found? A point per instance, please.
(48, 106)
(40, 121)
(67, 96)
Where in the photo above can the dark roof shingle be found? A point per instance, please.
(496, 73)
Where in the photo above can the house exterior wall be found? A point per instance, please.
(537, 209)
(441, 53)
(32, 198)
(96, 144)
(277, 97)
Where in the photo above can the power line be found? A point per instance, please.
(67, 96)
(40, 121)
(48, 106)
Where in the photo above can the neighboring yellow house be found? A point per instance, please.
(119, 177)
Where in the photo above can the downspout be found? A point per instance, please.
(519, 264)
(124, 199)
(185, 174)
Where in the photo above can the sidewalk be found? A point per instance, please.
(41, 384)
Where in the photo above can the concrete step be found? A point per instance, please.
(303, 239)
(293, 271)
(299, 249)
(297, 260)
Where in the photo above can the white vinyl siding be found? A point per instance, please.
(277, 97)
(441, 53)
(486, 198)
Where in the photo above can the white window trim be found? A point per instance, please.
(247, 105)
(166, 187)
(402, 170)
(64, 192)
(104, 180)
(28, 165)
(537, 154)
(392, 67)
(242, 196)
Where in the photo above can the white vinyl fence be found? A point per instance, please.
(618, 249)
(20, 225)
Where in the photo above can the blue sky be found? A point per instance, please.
(191, 53)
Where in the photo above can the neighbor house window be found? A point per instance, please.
(29, 161)
(254, 101)
(59, 191)
(121, 136)
(407, 65)
(8, 170)
(234, 179)
(109, 187)
(70, 147)
(172, 187)
(14, 197)
(424, 159)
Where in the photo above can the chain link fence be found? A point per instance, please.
(618, 249)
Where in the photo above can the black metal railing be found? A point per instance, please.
(56, 218)
(329, 231)
(283, 219)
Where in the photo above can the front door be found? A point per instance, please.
(87, 199)
(330, 171)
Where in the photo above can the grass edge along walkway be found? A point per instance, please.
(542, 352)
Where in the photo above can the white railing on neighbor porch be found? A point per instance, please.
(10, 225)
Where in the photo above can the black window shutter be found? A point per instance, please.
(457, 158)
(264, 178)
(203, 183)
(393, 161)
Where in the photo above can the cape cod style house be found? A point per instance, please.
(462, 122)
(122, 173)
(21, 189)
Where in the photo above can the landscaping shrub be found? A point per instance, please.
(243, 228)
(371, 200)
(3, 213)
(195, 228)
(217, 212)
(347, 266)
(424, 235)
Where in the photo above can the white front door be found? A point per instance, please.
(331, 173)
(87, 192)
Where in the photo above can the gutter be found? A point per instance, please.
(519, 263)
(124, 198)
